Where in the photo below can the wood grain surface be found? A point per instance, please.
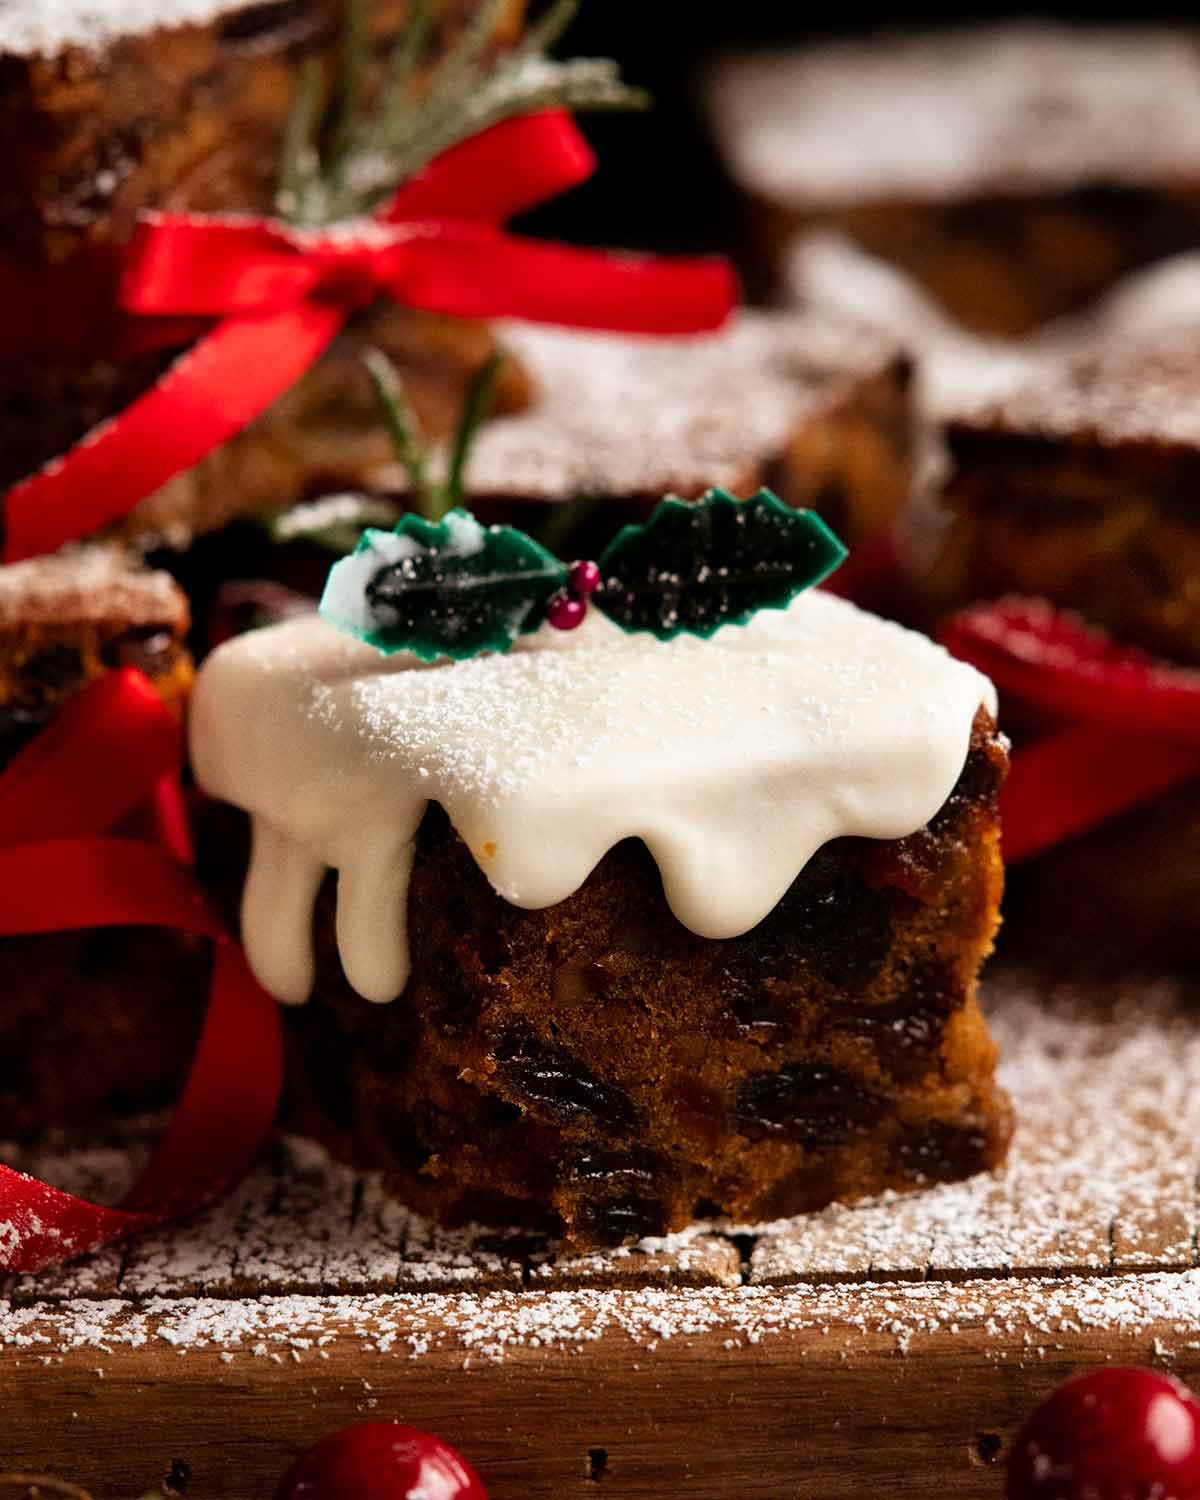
(891, 1346)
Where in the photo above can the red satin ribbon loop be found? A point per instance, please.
(1123, 726)
(496, 175)
(105, 753)
(281, 295)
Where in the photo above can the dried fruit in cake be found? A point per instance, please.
(1014, 171)
(101, 1020)
(667, 926)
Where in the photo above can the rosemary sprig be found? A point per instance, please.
(356, 47)
(476, 408)
(371, 150)
(429, 497)
(404, 429)
(300, 170)
(411, 45)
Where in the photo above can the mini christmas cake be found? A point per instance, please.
(100, 1020)
(1014, 171)
(183, 106)
(1078, 486)
(322, 435)
(114, 106)
(674, 908)
(1076, 489)
(816, 407)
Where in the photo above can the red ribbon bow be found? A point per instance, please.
(282, 295)
(1119, 726)
(102, 757)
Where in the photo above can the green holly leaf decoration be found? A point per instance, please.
(698, 565)
(451, 589)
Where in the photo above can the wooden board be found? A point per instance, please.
(894, 1345)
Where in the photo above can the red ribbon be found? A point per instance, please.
(281, 296)
(106, 752)
(1120, 727)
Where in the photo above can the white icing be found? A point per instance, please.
(734, 759)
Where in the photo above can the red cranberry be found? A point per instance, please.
(583, 579)
(565, 612)
(1112, 1434)
(380, 1461)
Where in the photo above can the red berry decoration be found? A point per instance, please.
(1122, 1434)
(583, 579)
(565, 612)
(381, 1461)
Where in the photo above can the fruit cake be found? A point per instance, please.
(625, 929)
(593, 428)
(1015, 171)
(1077, 487)
(104, 1019)
(814, 406)
(180, 104)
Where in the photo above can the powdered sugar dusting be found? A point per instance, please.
(638, 417)
(1025, 107)
(1102, 1170)
(1139, 391)
(88, 584)
(49, 26)
(1090, 1228)
(503, 1325)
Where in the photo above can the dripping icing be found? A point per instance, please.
(733, 759)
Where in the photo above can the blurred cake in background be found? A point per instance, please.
(1014, 172)
(816, 407)
(1077, 489)
(183, 106)
(99, 1020)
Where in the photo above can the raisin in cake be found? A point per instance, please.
(1014, 171)
(624, 931)
(98, 1020)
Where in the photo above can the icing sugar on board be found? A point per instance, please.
(894, 1343)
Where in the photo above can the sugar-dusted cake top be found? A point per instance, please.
(97, 583)
(733, 758)
(1128, 391)
(1008, 109)
(46, 27)
(640, 417)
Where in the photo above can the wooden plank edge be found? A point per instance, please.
(819, 1392)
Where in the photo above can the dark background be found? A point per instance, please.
(659, 186)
